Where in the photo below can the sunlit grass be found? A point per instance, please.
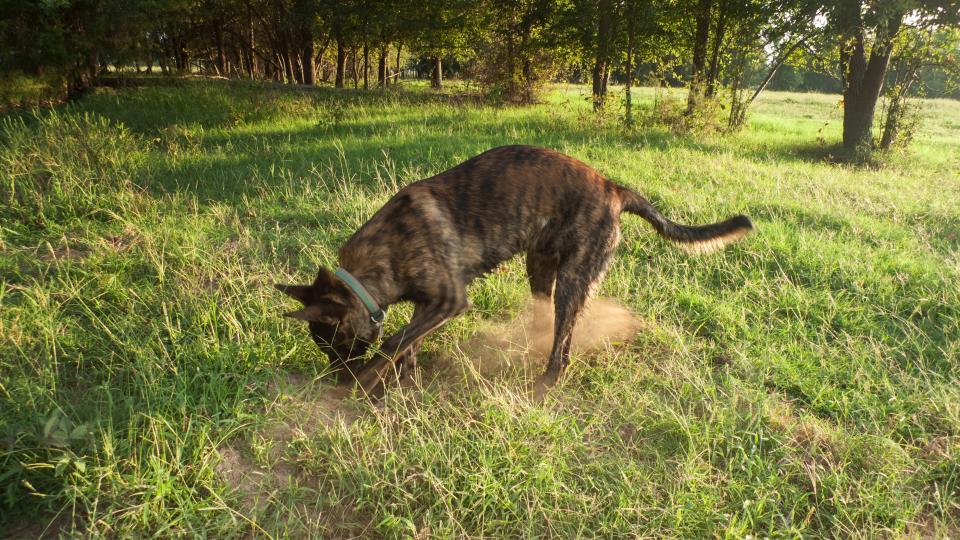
(803, 382)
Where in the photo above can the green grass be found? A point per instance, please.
(18, 89)
(801, 383)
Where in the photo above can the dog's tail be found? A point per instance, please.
(695, 239)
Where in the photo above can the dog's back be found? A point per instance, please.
(514, 198)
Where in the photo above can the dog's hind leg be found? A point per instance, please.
(579, 274)
(542, 273)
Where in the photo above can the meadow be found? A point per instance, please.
(801, 383)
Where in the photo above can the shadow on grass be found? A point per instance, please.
(816, 152)
(225, 166)
(812, 152)
(803, 218)
(212, 138)
(212, 104)
(944, 231)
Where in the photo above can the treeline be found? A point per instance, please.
(723, 50)
(293, 41)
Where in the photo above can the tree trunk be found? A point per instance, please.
(297, 59)
(382, 68)
(366, 65)
(628, 99)
(239, 63)
(600, 65)
(355, 68)
(82, 78)
(863, 81)
(702, 35)
(309, 67)
(251, 53)
(713, 73)
(599, 90)
(341, 63)
(319, 62)
(527, 71)
(287, 58)
(436, 76)
(399, 73)
(895, 115)
(221, 58)
(181, 57)
(184, 58)
(299, 67)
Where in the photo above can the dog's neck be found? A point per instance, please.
(374, 275)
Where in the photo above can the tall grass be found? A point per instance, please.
(802, 383)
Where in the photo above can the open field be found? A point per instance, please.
(801, 383)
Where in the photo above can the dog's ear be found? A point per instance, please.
(329, 289)
(313, 314)
(325, 279)
(300, 292)
(327, 293)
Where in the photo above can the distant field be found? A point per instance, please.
(801, 383)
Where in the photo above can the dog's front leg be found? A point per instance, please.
(407, 363)
(402, 345)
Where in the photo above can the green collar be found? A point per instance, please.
(376, 314)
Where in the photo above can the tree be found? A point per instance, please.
(866, 32)
(734, 38)
(303, 15)
(441, 28)
(526, 43)
(647, 41)
(863, 75)
(701, 37)
(917, 48)
(73, 39)
(340, 19)
(606, 34)
(762, 35)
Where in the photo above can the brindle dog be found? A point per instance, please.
(436, 235)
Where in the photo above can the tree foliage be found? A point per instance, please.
(722, 49)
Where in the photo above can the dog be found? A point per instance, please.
(435, 236)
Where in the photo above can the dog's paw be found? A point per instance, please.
(373, 377)
(347, 372)
(406, 366)
(543, 385)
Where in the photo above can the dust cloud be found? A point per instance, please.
(527, 340)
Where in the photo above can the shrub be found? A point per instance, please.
(704, 119)
(514, 77)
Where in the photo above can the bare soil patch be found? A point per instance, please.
(63, 252)
(300, 405)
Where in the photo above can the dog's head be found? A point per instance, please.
(339, 322)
